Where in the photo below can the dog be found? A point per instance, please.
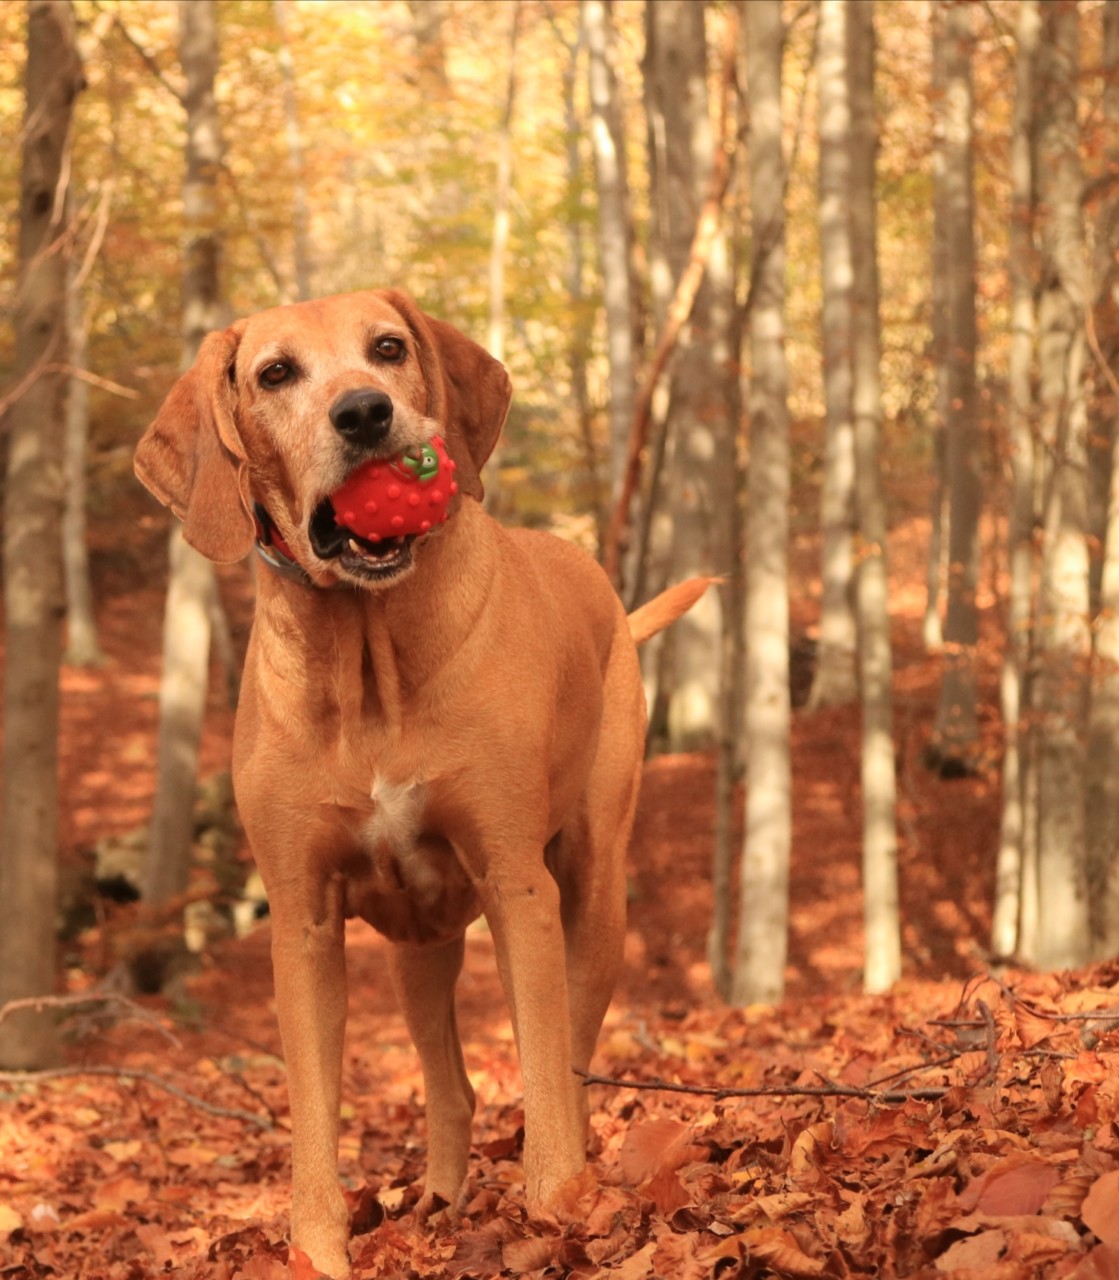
(431, 726)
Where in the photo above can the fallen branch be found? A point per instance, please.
(720, 1092)
(134, 1073)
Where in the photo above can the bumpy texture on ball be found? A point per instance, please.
(394, 497)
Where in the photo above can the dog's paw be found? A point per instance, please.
(302, 1268)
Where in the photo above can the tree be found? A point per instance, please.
(614, 230)
(759, 970)
(834, 682)
(34, 599)
(1102, 784)
(190, 594)
(1063, 632)
(956, 735)
(300, 212)
(879, 779)
(82, 645)
(699, 394)
(1018, 825)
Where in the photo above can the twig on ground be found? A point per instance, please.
(767, 1091)
(78, 999)
(134, 1073)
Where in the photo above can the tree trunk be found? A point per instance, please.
(186, 629)
(300, 212)
(1063, 633)
(699, 396)
(82, 647)
(614, 232)
(1014, 689)
(879, 780)
(835, 680)
(1102, 818)
(499, 240)
(759, 971)
(956, 735)
(579, 346)
(34, 597)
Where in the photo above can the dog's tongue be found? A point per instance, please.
(394, 497)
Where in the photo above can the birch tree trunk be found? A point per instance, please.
(835, 681)
(1014, 685)
(879, 780)
(34, 599)
(956, 734)
(82, 646)
(759, 970)
(191, 588)
(1102, 799)
(614, 223)
(499, 240)
(699, 396)
(1063, 631)
(300, 211)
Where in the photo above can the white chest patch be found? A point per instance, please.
(397, 816)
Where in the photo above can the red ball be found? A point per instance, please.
(392, 497)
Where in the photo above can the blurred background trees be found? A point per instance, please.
(611, 195)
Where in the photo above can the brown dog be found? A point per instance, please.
(429, 728)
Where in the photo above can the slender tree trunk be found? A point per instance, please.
(186, 630)
(614, 233)
(956, 735)
(34, 599)
(835, 681)
(1014, 689)
(699, 393)
(581, 331)
(879, 780)
(82, 646)
(1063, 937)
(300, 211)
(1102, 818)
(499, 241)
(759, 971)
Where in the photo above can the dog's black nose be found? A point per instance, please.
(363, 416)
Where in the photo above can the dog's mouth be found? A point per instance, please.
(357, 556)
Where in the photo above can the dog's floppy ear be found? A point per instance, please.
(192, 458)
(468, 390)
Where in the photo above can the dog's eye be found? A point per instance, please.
(272, 375)
(390, 349)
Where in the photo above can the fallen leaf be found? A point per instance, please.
(982, 1250)
(1100, 1210)
(1017, 1184)
(781, 1250)
(655, 1145)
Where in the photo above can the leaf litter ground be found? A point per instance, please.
(963, 1125)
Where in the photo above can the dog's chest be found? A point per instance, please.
(397, 818)
(411, 886)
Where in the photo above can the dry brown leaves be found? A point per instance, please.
(1005, 1164)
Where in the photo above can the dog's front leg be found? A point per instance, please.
(523, 910)
(308, 960)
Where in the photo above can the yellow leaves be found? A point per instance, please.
(10, 1221)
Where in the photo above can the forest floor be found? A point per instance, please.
(962, 1125)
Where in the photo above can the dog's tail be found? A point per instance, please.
(666, 608)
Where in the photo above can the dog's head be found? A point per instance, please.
(280, 409)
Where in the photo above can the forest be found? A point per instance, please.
(818, 299)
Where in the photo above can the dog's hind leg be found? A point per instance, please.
(424, 978)
(589, 863)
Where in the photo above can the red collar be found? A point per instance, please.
(274, 551)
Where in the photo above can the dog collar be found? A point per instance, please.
(274, 551)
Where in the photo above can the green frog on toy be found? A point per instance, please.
(395, 497)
